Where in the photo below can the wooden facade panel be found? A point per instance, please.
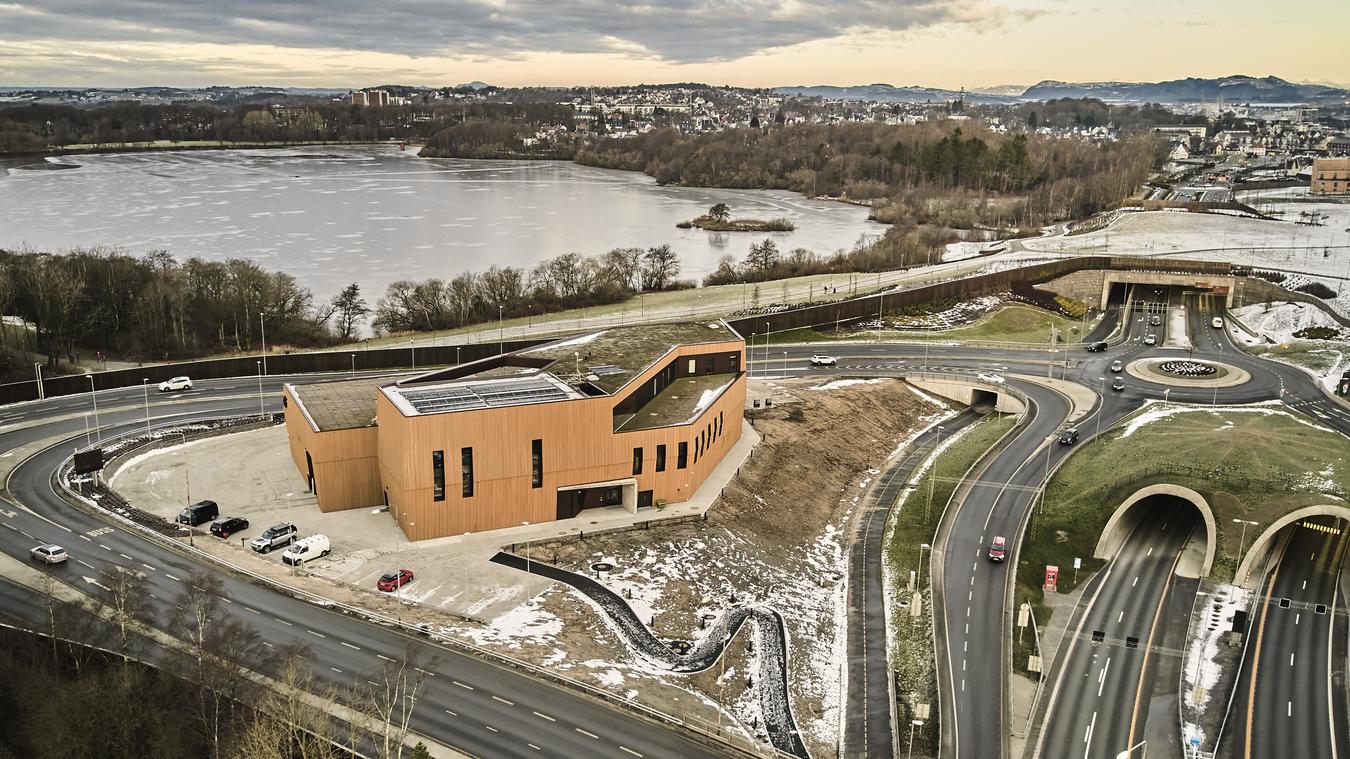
(579, 447)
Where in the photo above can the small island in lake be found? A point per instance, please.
(718, 219)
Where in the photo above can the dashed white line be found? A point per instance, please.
(284, 622)
(128, 558)
(544, 716)
(84, 563)
(629, 750)
(1136, 581)
(82, 537)
(452, 714)
(147, 566)
(1289, 709)
(493, 729)
(311, 632)
(1291, 658)
(100, 545)
(348, 645)
(462, 685)
(504, 701)
(335, 669)
(255, 611)
(586, 733)
(171, 577)
(382, 656)
(1120, 618)
(536, 748)
(423, 671)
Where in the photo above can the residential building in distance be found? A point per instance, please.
(370, 98)
(628, 417)
(1331, 175)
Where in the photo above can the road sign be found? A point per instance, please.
(1195, 741)
(1077, 562)
(1023, 615)
(1051, 578)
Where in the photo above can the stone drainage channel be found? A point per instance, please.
(770, 644)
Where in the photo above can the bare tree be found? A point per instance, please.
(390, 697)
(293, 720)
(660, 266)
(128, 605)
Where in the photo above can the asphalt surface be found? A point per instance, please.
(1285, 701)
(483, 709)
(469, 704)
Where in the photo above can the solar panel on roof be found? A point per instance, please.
(484, 395)
(605, 370)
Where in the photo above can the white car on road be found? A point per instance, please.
(177, 383)
(49, 553)
(820, 359)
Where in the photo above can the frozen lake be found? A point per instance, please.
(372, 215)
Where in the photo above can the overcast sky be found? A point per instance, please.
(944, 43)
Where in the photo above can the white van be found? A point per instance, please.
(312, 547)
(1216, 322)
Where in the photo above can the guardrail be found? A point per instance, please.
(696, 727)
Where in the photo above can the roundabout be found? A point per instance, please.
(1187, 372)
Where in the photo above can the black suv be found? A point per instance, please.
(277, 535)
(200, 512)
(1097, 347)
(1068, 437)
(226, 527)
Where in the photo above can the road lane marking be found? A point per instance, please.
(100, 545)
(423, 671)
(1289, 709)
(1087, 738)
(493, 729)
(85, 563)
(348, 645)
(82, 537)
(629, 750)
(1136, 581)
(536, 748)
(335, 669)
(171, 577)
(544, 716)
(1291, 658)
(1120, 618)
(452, 714)
(587, 733)
(284, 622)
(128, 558)
(382, 656)
(462, 685)
(1101, 681)
(255, 611)
(311, 632)
(147, 566)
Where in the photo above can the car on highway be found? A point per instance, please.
(49, 553)
(1096, 347)
(998, 548)
(1216, 322)
(1116, 365)
(304, 549)
(1155, 320)
(820, 359)
(277, 535)
(200, 512)
(224, 528)
(1119, 384)
(176, 383)
(1150, 339)
(394, 580)
(1069, 436)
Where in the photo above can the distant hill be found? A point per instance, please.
(1231, 89)
(889, 93)
(474, 85)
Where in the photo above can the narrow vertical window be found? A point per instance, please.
(466, 471)
(637, 461)
(536, 463)
(693, 366)
(682, 457)
(661, 458)
(438, 475)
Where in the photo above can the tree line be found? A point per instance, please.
(158, 308)
(78, 689)
(567, 281)
(1054, 179)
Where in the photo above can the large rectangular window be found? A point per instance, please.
(438, 475)
(466, 471)
(661, 458)
(637, 461)
(682, 458)
(536, 463)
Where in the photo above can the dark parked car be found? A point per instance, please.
(1119, 384)
(1097, 347)
(394, 580)
(1068, 437)
(228, 526)
(200, 512)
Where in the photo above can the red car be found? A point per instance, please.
(394, 580)
(998, 549)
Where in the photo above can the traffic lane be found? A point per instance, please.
(1098, 693)
(336, 638)
(1290, 703)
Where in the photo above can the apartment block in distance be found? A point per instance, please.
(628, 417)
(1331, 175)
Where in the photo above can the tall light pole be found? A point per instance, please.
(1126, 753)
(932, 474)
(42, 395)
(1242, 538)
(501, 331)
(766, 349)
(909, 753)
(412, 353)
(94, 396)
(353, 364)
(261, 413)
(262, 328)
(1103, 407)
(145, 393)
(187, 483)
(784, 364)
(457, 347)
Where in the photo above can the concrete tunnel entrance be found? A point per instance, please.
(1265, 547)
(1168, 498)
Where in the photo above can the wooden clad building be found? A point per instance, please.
(628, 417)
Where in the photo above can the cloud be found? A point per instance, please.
(676, 31)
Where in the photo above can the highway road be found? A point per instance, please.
(469, 704)
(483, 709)
(1285, 702)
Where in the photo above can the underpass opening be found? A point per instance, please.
(1265, 547)
(984, 399)
(1163, 499)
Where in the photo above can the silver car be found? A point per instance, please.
(49, 553)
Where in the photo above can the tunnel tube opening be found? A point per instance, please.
(1164, 506)
(1263, 550)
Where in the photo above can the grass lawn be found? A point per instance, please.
(1254, 462)
(912, 525)
(1009, 324)
(1320, 356)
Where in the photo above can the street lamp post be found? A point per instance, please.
(766, 348)
(262, 329)
(922, 547)
(98, 431)
(501, 331)
(261, 412)
(187, 483)
(353, 364)
(457, 347)
(145, 394)
(1103, 407)
(412, 354)
(909, 753)
(784, 364)
(932, 474)
(42, 395)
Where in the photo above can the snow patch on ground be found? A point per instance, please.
(574, 342)
(1155, 410)
(526, 623)
(1201, 673)
(843, 383)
